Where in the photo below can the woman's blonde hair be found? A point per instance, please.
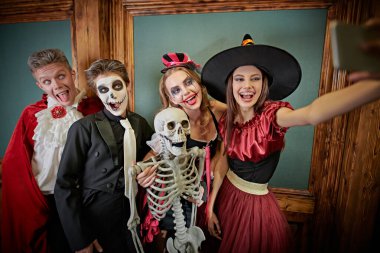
(165, 96)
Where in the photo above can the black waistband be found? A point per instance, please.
(260, 172)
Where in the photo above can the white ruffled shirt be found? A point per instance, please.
(49, 140)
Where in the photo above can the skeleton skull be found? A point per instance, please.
(172, 125)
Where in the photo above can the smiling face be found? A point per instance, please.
(112, 90)
(247, 83)
(183, 90)
(57, 81)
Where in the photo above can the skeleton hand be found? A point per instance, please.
(146, 177)
(214, 227)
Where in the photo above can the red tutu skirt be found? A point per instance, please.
(210, 244)
(251, 223)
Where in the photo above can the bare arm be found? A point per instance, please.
(219, 174)
(365, 90)
(330, 105)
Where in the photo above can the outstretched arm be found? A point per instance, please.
(330, 105)
(365, 90)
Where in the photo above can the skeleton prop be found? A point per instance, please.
(177, 176)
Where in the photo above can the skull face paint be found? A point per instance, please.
(173, 125)
(112, 90)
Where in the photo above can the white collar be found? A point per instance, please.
(53, 131)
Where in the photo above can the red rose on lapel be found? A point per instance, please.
(58, 112)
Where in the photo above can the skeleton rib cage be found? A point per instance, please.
(174, 178)
(178, 175)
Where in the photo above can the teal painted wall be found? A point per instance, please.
(300, 32)
(18, 87)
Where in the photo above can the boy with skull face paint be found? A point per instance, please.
(90, 184)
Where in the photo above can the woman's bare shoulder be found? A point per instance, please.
(218, 108)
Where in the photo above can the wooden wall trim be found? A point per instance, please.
(17, 11)
(298, 207)
(129, 55)
(159, 7)
(98, 32)
(116, 20)
(296, 201)
(86, 36)
(358, 200)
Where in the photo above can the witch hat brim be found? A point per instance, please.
(282, 68)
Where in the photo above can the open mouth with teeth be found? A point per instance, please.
(179, 144)
(191, 100)
(115, 105)
(246, 95)
(63, 96)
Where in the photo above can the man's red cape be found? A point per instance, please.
(24, 207)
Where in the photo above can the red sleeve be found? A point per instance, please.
(90, 105)
(269, 115)
(24, 209)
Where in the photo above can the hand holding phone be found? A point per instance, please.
(346, 43)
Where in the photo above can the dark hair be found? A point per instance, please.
(45, 57)
(103, 66)
(233, 108)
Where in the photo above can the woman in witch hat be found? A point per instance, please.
(251, 79)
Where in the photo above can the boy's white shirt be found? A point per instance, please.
(49, 138)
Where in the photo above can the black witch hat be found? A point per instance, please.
(283, 70)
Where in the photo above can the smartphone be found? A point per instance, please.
(346, 52)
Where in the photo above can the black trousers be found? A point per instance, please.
(107, 215)
(56, 238)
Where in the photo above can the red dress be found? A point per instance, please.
(24, 207)
(249, 222)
